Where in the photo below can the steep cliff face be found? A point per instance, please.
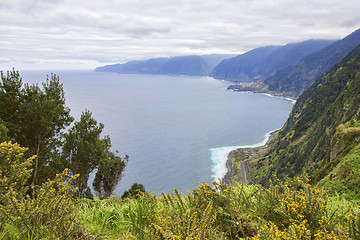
(244, 67)
(294, 80)
(264, 61)
(312, 140)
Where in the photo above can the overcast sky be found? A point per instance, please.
(62, 34)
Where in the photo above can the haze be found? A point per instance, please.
(62, 34)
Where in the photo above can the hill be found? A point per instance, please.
(322, 134)
(293, 80)
(320, 138)
(182, 65)
(260, 62)
(244, 67)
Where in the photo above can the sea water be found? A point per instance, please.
(177, 130)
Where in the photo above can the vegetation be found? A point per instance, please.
(309, 139)
(48, 214)
(265, 61)
(294, 80)
(285, 210)
(309, 173)
(36, 118)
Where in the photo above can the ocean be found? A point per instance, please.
(177, 130)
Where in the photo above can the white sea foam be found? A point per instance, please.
(219, 156)
(286, 98)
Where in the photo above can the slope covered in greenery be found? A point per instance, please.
(320, 138)
(285, 210)
(324, 122)
(294, 80)
(244, 67)
(321, 131)
(260, 62)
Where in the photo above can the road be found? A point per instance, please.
(244, 168)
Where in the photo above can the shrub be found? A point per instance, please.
(15, 169)
(48, 214)
(301, 212)
(135, 191)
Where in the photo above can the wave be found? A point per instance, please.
(274, 96)
(219, 156)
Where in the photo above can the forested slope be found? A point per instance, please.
(312, 139)
(294, 80)
(264, 61)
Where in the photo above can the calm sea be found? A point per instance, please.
(177, 131)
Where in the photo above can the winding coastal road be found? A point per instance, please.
(244, 168)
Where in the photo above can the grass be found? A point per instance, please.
(286, 210)
(291, 209)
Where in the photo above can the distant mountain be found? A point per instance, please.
(261, 62)
(294, 80)
(146, 67)
(244, 67)
(182, 65)
(185, 65)
(322, 134)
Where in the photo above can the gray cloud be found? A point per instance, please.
(89, 33)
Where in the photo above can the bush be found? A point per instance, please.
(48, 213)
(135, 191)
(299, 212)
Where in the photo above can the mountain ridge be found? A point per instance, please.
(194, 65)
(279, 70)
(312, 141)
(294, 80)
(260, 62)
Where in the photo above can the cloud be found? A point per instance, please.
(97, 32)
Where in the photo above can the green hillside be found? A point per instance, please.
(321, 130)
(326, 116)
(292, 81)
(310, 176)
(264, 61)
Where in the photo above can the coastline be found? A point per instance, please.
(249, 149)
(259, 87)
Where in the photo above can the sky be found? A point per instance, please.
(84, 34)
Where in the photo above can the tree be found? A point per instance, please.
(108, 175)
(84, 150)
(3, 132)
(10, 99)
(35, 118)
(44, 116)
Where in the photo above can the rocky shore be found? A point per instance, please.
(248, 152)
(226, 179)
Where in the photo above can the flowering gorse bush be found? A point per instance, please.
(354, 222)
(290, 209)
(47, 211)
(15, 169)
(301, 212)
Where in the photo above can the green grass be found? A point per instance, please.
(221, 212)
(290, 209)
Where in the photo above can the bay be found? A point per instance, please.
(177, 130)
